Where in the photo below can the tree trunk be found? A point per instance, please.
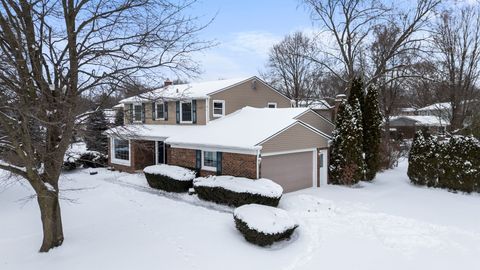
(51, 220)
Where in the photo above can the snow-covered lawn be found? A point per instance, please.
(114, 221)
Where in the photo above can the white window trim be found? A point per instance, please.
(120, 161)
(272, 103)
(141, 113)
(156, 111)
(181, 112)
(208, 168)
(223, 108)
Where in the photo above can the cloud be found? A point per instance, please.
(256, 42)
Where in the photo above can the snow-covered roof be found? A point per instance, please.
(320, 104)
(437, 106)
(118, 106)
(422, 120)
(244, 129)
(199, 90)
(408, 109)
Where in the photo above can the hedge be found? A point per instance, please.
(452, 164)
(268, 220)
(224, 196)
(160, 177)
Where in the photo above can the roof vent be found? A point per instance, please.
(254, 84)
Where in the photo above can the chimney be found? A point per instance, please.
(338, 99)
(167, 82)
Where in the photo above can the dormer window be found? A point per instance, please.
(218, 108)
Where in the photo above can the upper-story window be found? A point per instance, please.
(272, 105)
(160, 110)
(186, 112)
(137, 112)
(218, 108)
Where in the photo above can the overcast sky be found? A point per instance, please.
(245, 30)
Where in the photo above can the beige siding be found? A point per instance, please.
(326, 113)
(317, 122)
(243, 95)
(201, 114)
(295, 137)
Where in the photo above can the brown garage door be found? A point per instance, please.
(292, 171)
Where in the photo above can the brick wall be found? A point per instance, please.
(181, 157)
(239, 165)
(142, 155)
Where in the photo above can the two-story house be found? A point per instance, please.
(240, 127)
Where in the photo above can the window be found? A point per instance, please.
(272, 105)
(137, 113)
(209, 161)
(121, 149)
(186, 112)
(160, 110)
(218, 108)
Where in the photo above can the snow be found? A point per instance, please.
(320, 104)
(243, 129)
(199, 90)
(112, 220)
(262, 186)
(423, 120)
(266, 219)
(437, 106)
(49, 187)
(174, 172)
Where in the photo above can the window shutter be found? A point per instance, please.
(165, 108)
(130, 113)
(177, 109)
(198, 160)
(154, 116)
(143, 112)
(194, 111)
(219, 163)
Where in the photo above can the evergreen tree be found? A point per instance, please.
(423, 160)
(94, 137)
(357, 93)
(372, 120)
(346, 161)
(119, 118)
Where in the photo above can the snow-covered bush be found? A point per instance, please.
(169, 178)
(460, 164)
(423, 160)
(237, 191)
(454, 164)
(93, 159)
(263, 225)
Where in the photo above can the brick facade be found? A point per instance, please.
(181, 157)
(239, 165)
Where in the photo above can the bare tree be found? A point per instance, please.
(350, 23)
(456, 38)
(54, 52)
(290, 70)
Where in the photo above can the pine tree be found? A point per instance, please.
(94, 137)
(119, 118)
(357, 93)
(372, 120)
(346, 161)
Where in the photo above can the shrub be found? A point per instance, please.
(169, 178)
(237, 191)
(263, 225)
(423, 160)
(93, 159)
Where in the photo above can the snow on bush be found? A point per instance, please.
(263, 225)
(174, 172)
(77, 155)
(237, 191)
(169, 178)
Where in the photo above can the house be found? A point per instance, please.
(321, 107)
(241, 127)
(405, 126)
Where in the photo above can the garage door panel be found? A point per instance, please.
(292, 171)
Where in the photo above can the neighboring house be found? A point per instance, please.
(239, 127)
(321, 107)
(405, 126)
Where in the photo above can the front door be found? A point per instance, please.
(160, 153)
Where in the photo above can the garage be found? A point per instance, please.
(293, 171)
